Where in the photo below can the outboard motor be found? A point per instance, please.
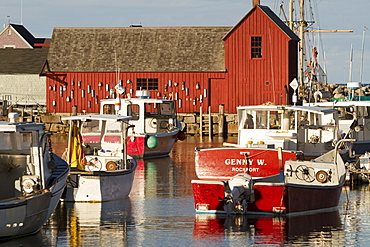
(238, 191)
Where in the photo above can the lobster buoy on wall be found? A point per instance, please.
(181, 136)
(152, 142)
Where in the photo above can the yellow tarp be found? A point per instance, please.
(76, 149)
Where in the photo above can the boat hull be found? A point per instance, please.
(269, 198)
(225, 162)
(99, 186)
(24, 216)
(138, 148)
(61, 175)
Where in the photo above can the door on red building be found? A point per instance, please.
(218, 93)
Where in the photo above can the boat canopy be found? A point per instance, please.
(6, 126)
(311, 109)
(104, 117)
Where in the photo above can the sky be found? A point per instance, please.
(41, 16)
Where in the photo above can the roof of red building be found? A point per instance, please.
(137, 49)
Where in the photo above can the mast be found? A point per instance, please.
(302, 25)
(350, 64)
(291, 23)
(362, 54)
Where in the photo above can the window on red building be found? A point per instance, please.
(147, 84)
(256, 46)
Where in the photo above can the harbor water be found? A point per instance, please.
(160, 212)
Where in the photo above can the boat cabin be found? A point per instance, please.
(148, 115)
(21, 157)
(355, 114)
(365, 161)
(307, 129)
(101, 136)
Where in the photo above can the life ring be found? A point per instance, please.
(322, 176)
(111, 166)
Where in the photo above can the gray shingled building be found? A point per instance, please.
(22, 57)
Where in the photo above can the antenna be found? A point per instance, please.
(21, 12)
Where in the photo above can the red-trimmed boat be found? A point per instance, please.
(213, 164)
(155, 127)
(302, 132)
(296, 187)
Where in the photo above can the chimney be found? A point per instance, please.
(255, 3)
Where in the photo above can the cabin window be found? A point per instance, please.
(248, 122)
(147, 84)
(21, 141)
(167, 108)
(113, 127)
(268, 120)
(91, 126)
(134, 111)
(261, 120)
(274, 120)
(151, 109)
(256, 47)
(108, 109)
(9, 32)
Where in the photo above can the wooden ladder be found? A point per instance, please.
(205, 123)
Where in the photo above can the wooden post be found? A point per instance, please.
(210, 129)
(74, 110)
(200, 122)
(221, 120)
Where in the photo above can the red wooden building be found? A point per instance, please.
(248, 64)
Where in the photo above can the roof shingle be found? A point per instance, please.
(22, 61)
(138, 49)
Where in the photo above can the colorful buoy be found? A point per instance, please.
(152, 142)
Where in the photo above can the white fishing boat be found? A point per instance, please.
(100, 171)
(155, 125)
(310, 130)
(32, 177)
(354, 118)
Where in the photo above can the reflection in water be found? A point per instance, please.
(93, 224)
(38, 239)
(160, 212)
(324, 228)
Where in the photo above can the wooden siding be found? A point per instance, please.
(61, 99)
(259, 80)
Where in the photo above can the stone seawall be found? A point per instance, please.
(197, 124)
(191, 124)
